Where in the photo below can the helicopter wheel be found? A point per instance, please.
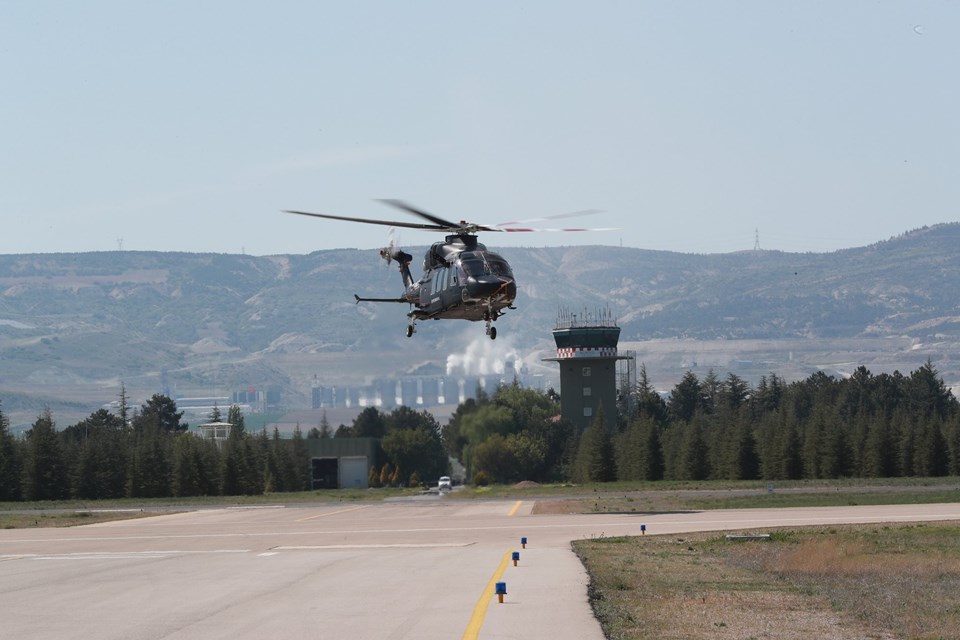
(410, 330)
(493, 333)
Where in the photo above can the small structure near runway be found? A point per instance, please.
(219, 432)
(342, 463)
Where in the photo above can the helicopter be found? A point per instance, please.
(462, 279)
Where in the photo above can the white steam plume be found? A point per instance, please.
(484, 357)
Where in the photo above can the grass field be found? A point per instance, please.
(866, 581)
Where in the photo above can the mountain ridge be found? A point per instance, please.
(74, 325)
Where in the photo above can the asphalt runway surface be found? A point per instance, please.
(421, 569)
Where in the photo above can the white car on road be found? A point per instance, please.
(444, 484)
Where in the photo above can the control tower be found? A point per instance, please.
(587, 354)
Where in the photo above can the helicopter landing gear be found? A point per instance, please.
(411, 329)
(489, 316)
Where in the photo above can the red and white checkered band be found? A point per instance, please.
(587, 352)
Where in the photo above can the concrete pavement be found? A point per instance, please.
(384, 570)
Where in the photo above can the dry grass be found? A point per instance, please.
(869, 581)
(67, 519)
(648, 501)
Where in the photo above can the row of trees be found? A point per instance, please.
(886, 425)
(146, 452)
(821, 427)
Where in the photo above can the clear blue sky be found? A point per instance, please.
(189, 126)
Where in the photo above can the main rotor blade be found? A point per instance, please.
(388, 223)
(400, 204)
(530, 230)
(559, 216)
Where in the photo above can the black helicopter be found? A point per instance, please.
(461, 278)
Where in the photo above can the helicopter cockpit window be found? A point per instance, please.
(474, 267)
(482, 264)
(499, 266)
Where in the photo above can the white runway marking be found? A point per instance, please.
(113, 555)
(375, 546)
(258, 506)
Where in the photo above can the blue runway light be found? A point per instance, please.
(516, 557)
(523, 541)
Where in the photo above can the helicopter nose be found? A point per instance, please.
(486, 286)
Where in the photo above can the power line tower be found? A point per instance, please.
(756, 239)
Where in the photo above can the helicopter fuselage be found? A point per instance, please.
(461, 280)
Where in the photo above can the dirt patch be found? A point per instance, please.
(554, 507)
(526, 484)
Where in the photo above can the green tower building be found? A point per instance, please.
(587, 354)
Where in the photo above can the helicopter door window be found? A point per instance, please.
(441, 278)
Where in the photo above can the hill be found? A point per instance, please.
(73, 326)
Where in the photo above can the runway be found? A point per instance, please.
(419, 569)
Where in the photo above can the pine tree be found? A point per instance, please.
(9, 463)
(45, 472)
(326, 431)
(186, 475)
(151, 462)
(746, 462)
(649, 402)
(639, 455)
(300, 462)
(124, 409)
(685, 398)
(695, 457)
(595, 456)
(164, 410)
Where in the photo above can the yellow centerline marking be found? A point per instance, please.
(333, 513)
(516, 505)
(480, 611)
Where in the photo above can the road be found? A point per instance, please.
(422, 569)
